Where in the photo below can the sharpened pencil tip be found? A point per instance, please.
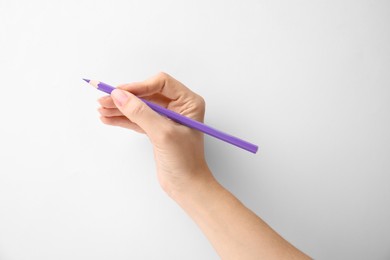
(86, 80)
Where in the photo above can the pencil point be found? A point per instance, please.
(86, 80)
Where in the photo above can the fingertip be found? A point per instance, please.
(103, 119)
(102, 99)
(108, 120)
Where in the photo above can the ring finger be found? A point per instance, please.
(109, 112)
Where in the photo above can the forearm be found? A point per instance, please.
(234, 231)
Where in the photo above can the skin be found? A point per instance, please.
(234, 231)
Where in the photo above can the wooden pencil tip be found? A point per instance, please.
(86, 80)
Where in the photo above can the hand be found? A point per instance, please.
(178, 150)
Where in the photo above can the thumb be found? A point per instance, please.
(137, 111)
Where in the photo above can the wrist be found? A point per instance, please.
(199, 182)
(201, 197)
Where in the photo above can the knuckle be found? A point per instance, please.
(199, 106)
(200, 102)
(137, 109)
(105, 120)
(162, 74)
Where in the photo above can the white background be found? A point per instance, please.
(308, 81)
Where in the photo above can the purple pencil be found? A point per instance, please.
(185, 120)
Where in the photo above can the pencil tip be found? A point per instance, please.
(86, 80)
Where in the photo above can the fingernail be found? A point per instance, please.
(119, 96)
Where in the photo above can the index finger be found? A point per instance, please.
(161, 83)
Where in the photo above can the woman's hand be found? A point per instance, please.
(178, 150)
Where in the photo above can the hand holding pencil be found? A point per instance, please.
(176, 160)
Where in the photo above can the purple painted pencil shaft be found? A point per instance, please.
(186, 121)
